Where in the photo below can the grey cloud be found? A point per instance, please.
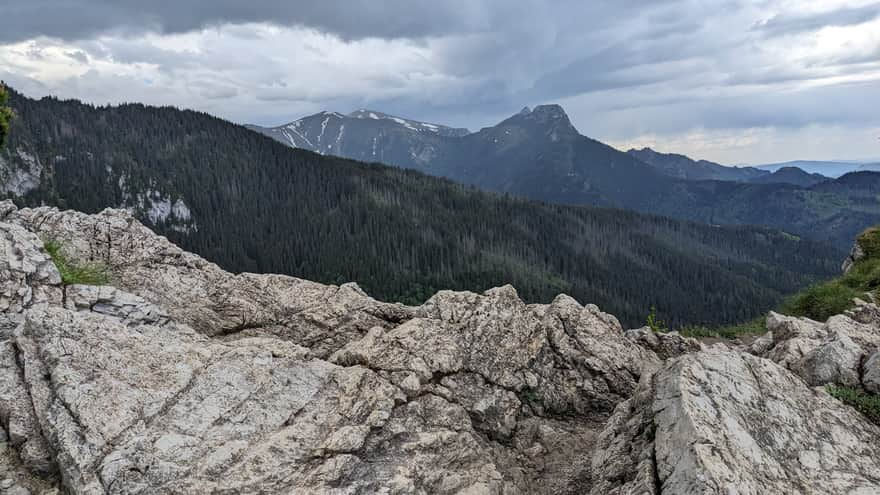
(780, 25)
(352, 19)
(620, 67)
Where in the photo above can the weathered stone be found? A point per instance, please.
(871, 374)
(665, 344)
(725, 422)
(17, 414)
(825, 353)
(762, 344)
(836, 361)
(198, 293)
(189, 379)
(855, 255)
(27, 274)
(106, 299)
(131, 408)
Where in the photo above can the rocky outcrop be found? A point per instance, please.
(726, 422)
(834, 352)
(855, 254)
(200, 294)
(187, 379)
(184, 378)
(665, 344)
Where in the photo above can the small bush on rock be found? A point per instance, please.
(822, 301)
(869, 241)
(73, 272)
(654, 322)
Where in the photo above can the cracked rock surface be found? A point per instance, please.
(837, 352)
(720, 421)
(184, 378)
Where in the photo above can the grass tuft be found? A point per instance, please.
(867, 404)
(73, 272)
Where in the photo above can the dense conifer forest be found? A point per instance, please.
(257, 205)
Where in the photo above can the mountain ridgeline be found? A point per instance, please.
(539, 154)
(251, 204)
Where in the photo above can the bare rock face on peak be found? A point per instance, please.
(183, 378)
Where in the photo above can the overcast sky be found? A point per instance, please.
(731, 81)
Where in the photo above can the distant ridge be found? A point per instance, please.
(831, 169)
(683, 167)
(537, 153)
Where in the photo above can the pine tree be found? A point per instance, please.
(5, 115)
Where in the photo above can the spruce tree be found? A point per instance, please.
(5, 115)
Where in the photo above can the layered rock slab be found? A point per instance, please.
(837, 351)
(725, 422)
(161, 409)
(200, 294)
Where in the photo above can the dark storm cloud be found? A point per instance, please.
(349, 19)
(81, 19)
(781, 25)
(620, 67)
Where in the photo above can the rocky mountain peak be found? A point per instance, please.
(551, 119)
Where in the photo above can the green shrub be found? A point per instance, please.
(73, 272)
(830, 298)
(654, 322)
(867, 404)
(5, 115)
(869, 241)
(822, 301)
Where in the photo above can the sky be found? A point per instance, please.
(730, 81)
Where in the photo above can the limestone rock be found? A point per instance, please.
(825, 353)
(562, 359)
(17, 415)
(762, 344)
(871, 376)
(855, 254)
(27, 274)
(183, 378)
(665, 344)
(835, 362)
(725, 422)
(147, 409)
(105, 299)
(198, 293)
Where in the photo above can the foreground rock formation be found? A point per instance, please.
(183, 378)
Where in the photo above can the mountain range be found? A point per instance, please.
(537, 153)
(250, 203)
(827, 168)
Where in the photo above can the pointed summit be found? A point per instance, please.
(549, 118)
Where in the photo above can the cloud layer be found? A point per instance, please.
(728, 80)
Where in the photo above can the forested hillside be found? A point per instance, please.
(539, 154)
(251, 204)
